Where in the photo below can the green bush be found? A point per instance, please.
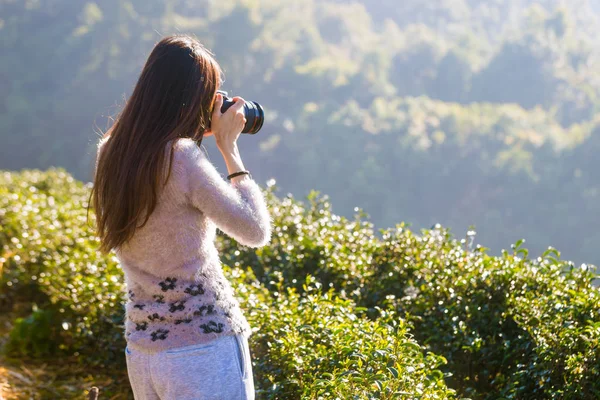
(509, 327)
(318, 346)
(79, 299)
(464, 303)
(50, 258)
(334, 307)
(560, 310)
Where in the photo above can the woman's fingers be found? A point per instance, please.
(218, 105)
(238, 109)
(239, 103)
(227, 126)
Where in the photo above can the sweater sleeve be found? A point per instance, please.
(238, 208)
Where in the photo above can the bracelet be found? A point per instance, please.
(238, 174)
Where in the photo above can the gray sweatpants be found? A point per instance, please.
(220, 369)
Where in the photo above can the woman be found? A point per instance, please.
(158, 201)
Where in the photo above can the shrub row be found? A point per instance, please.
(510, 326)
(308, 343)
(319, 346)
(49, 258)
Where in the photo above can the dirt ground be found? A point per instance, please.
(56, 378)
(53, 382)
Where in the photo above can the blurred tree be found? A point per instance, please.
(412, 96)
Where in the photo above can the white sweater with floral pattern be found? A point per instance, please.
(178, 294)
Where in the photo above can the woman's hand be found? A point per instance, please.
(226, 127)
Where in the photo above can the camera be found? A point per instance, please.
(255, 116)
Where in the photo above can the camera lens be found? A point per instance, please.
(254, 113)
(255, 117)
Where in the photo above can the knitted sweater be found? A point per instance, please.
(178, 294)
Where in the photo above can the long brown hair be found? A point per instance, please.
(173, 98)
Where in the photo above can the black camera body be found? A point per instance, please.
(254, 113)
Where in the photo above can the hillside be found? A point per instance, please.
(460, 112)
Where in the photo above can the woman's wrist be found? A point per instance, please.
(240, 178)
(229, 151)
(233, 160)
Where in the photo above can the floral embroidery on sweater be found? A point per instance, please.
(160, 334)
(168, 284)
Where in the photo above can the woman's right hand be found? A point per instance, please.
(226, 127)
